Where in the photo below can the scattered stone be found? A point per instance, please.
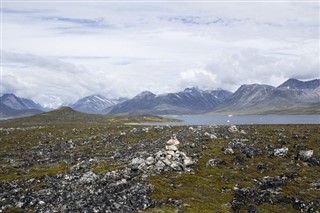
(262, 168)
(172, 148)
(228, 151)
(233, 129)
(316, 184)
(188, 162)
(149, 160)
(216, 162)
(243, 132)
(282, 152)
(176, 166)
(137, 161)
(212, 136)
(305, 155)
(238, 160)
(159, 165)
(88, 177)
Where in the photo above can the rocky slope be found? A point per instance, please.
(121, 168)
(256, 98)
(13, 106)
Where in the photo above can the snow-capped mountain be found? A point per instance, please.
(92, 104)
(13, 106)
(296, 84)
(256, 98)
(191, 100)
(17, 103)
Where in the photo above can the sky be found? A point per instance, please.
(56, 52)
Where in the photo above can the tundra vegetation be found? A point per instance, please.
(114, 167)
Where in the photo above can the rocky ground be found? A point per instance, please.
(123, 168)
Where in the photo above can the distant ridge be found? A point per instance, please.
(13, 106)
(92, 104)
(291, 97)
(261, 99)
(189, 101)
(68, 116)
(296, 84)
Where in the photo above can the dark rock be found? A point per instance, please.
(216, 162)
(238, 160)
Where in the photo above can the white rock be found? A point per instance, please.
(187, 161)
(212, 136)
(167, 162)
(121, 182)
(171, 148)
(176, 166)
(243, 132)
(88, 177)
(159, 154)
(306, 155)
(233, 129)
(228, 151)
(281, 152)
(19, 204)
(149, 160)
(160, 164)
(137, 161)
(170, 153)
(169, 157)
(173, 141)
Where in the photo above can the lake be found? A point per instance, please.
(241, 119)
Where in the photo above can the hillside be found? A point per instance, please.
(66, 116)
(265, 99)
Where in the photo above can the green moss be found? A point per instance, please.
(36, 172)
(16, 210)
(203, 191)
(105, 166)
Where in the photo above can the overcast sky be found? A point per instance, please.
(57, 52)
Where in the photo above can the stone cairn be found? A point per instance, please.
(167, 159)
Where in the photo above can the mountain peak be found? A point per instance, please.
(92, 104)
(292, 83)
(192, 90)
(145, 94)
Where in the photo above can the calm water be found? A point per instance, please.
(243, 119)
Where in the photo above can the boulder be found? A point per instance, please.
(137, 161)
(215, 162)
(160, 165)
(176, 166)
(149, 161)
(306, 154)
(187, 161)
(233, 129)
(282, 152)
(228, 151)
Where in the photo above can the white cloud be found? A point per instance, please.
(230, 70)
(59, 51)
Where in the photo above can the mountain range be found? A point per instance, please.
(189, 101)
(265, 99)
(291, 97)
(13, 106)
